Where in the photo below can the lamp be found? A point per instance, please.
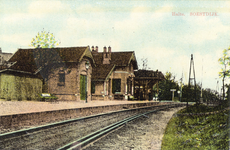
(87, 65)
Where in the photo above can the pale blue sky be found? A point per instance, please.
(146, 27)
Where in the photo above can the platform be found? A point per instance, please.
(15, 115)
(22, 107)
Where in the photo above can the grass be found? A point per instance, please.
(206, 132)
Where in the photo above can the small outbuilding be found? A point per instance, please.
(19, 85)
(144, 81)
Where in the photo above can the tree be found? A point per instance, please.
(166, 85)
(46, 58)
(224, 61)
(228, 92)
(210, 96)
(144, 64)
(44, 40)
(188, 93)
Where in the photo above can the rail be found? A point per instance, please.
(82, 142)
(15, 135)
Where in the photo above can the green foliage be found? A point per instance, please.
(189, 93)
(228, 92)
(225, 62)
(45, 98)
(44, 40)
(209, 95)
(47, 60)
(20, 87)
(166, 85)
(198, 132)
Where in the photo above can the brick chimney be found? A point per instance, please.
(96, 48)
(109, 49)
(92, 49)
(106, 55)
(109, 52)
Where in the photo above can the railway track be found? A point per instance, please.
(84, 141)
(54, 136)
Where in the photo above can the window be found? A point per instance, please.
(116, 87)
(61, 78)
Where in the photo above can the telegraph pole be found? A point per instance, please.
(192, 78)
(181, 79)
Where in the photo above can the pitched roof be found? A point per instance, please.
(27, 59)
(24, 61)
(149, 74)
(117, 58)
(102, 71)
(2, 67)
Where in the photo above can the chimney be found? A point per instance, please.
(109, 49)
(96, 48)
(105, 49)
(106, 56)
(92, 48)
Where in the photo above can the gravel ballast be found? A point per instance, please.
(142, 134)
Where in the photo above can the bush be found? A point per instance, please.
(46, 98)
(198, 132)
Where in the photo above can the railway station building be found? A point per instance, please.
(76, 73)
(64, 72)
(113, 76)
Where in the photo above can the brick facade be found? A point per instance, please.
(70, 89)
(110, 74)
(59, 71)
(113, 67)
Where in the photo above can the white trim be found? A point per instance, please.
(123, 72)
(16, 71)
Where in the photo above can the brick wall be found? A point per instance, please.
(56, 137)
(122, 73)
(18, 121)
(70, 90)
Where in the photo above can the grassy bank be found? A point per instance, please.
(198, 132)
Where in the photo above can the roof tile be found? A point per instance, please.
(28, 59)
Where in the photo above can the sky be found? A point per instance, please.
(147, 27)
